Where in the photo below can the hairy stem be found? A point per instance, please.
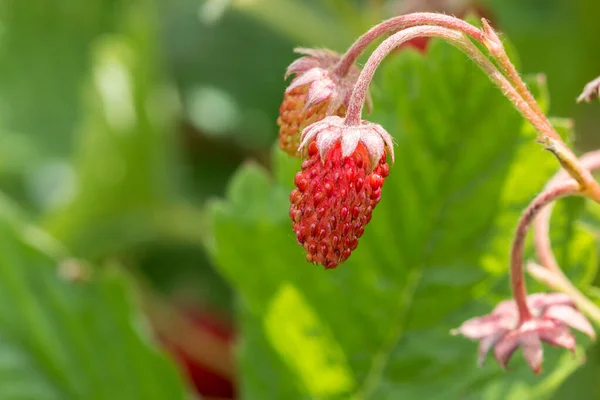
(457, 39)
(558, 281)
(549, 137)
(541, 232)
(498, 52)
(541, 226)
(359, 93)
(455, 31)
(516, 261)
(396, 24)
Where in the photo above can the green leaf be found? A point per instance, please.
(66, 339)
(569, 46)
(285, 17)
(584, 383)
(44, 58)
(218, 97)
(435, 253)
(124, 180)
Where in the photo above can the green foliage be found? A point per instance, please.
(122, 145)
(43, 59)
(435, 253)
(118, 119)
(63, 339)
(584, 383)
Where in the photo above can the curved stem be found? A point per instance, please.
(541, 226)
(361, 88)
(550, 138)
(498, 52)
(507, 89)
(396, 24)
(509, 81)
(555, 277)
(516, 260)
(458, 40)
(558, 281)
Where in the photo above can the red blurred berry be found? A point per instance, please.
(205, 371)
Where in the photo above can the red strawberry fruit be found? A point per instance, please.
(338, 188)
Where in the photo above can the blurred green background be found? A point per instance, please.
(120, 119)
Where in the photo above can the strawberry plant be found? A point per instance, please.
(467, 164)
(398, 217)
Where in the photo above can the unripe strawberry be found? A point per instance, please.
(338, 188)
(316, 92)
(294, 117)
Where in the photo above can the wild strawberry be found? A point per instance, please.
(338, 188)
(294, 116)
(316, 92)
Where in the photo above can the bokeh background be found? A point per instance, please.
(120, 119)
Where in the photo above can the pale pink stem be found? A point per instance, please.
(516, 260)
(396, 24)
(454, 30)
(541, 226)
(455, 38)
(549, 137)
(361, 88)
(541, 231)
(497, 50)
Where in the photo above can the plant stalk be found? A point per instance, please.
(397, 24)
(516, 258)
